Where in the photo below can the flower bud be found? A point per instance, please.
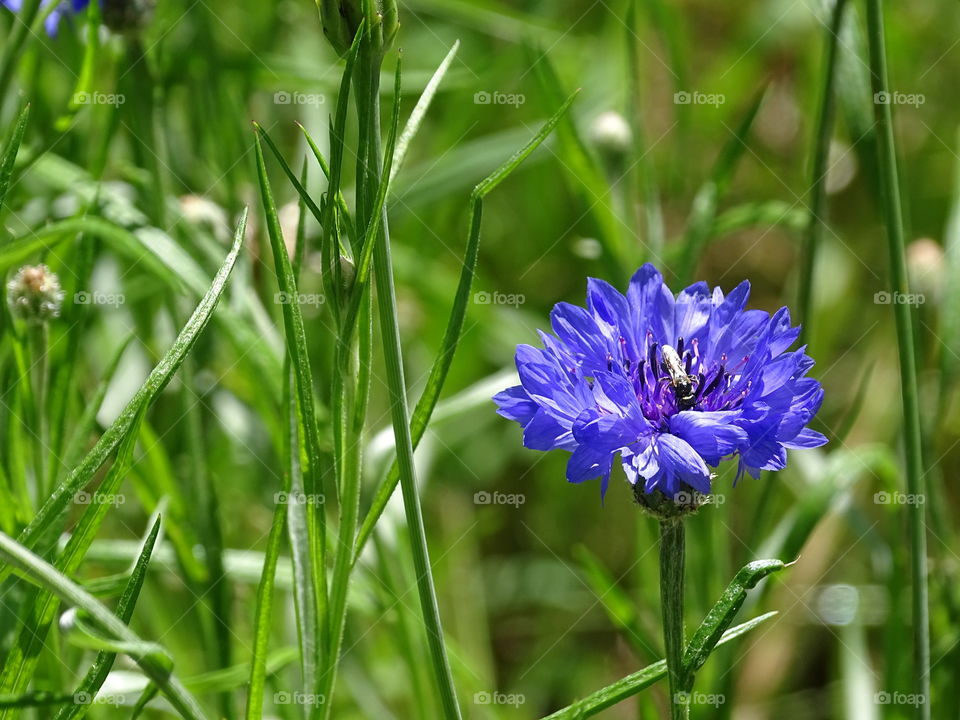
(348, 273)
(124, 16)
(341, 19)
(611, 134)
(34, 294)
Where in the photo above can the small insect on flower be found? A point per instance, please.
(671, 385)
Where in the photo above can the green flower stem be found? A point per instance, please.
(39, 345)
(671, 605)
(390, 337)
(893, 218)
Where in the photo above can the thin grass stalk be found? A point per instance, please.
(818, 181)
(893, 218)
(390, 337)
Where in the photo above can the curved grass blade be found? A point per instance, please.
(721, 615)
(634, 683)
(46, 521)
(311, 576)
(264, 614)
(10, 149)
(441, 366)
(40, 611)
(155, 662)
(97, 674)
(420, 111)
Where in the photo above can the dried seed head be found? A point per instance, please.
(34, 294)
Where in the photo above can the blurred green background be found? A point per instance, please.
(555, 595)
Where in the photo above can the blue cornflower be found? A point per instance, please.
(53, 19)
(672, 385)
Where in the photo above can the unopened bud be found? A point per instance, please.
(341, 19)
(34, 294)
(611, 134)
(348, 273)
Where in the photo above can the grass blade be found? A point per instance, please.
(152, 659)
(46, 520)
(98, 672)
(441, 366)
(313, 593)
(717, 621)
(10, 149)
(893, 219)
(420, 111)
(634, 683)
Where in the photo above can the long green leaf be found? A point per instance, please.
(441, 366)
(152, 659)
(38, 614)
(46, 521)
(10, 150)
(97, 674)
(721, 615)
(909, 391)
(634, 683)
(420, 111)
(312, 600)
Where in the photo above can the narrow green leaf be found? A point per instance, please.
(40, 611)
(721, 615)
(97, 674)
(634, 683)
(10, 150)
(154, 661)
(420, 111)
(264, 615)
(47, 519)
(441, 366)
(311, 558)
